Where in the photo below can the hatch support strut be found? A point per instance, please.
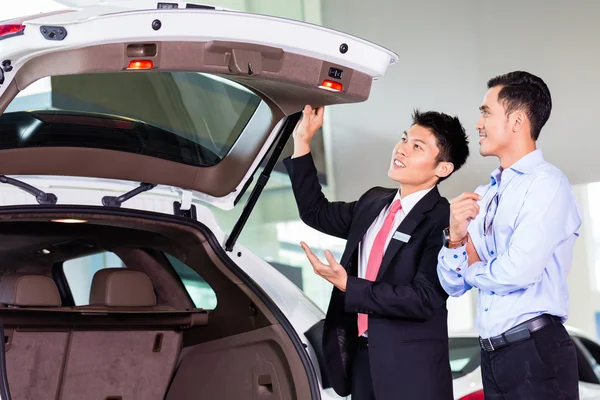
(285, 132)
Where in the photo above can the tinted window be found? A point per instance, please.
(80, 271)
(464, 356)
(185, 117)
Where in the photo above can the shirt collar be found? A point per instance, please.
(525, 165)
(408, 202)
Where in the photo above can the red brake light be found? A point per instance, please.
(331, 85)
(140, 64)
(11, 29)
(478, 395)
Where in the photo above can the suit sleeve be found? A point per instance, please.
(331, 218)
(415, 301)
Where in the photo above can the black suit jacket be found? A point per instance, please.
(408, 333)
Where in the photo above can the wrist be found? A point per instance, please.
(454, 236)
(453, 241)
(301, 149)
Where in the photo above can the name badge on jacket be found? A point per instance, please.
(403, 237)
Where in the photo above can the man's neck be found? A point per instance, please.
(407, 190)
(511, 157)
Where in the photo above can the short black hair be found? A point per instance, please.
(522, 90)
(452, 141)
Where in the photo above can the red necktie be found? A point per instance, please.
(376, 256)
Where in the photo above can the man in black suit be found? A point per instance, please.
(385, 334)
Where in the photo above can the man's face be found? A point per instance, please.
(493, 125)
(414, 158)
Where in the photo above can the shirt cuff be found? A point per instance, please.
(471, 273)
(455, 259)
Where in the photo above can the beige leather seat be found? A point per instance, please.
(118, 287)
(27, 290)
(33, 359)
(115, 363)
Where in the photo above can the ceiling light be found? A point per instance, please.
(70, 221)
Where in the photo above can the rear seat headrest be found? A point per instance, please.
(118, 287)
(26, 290)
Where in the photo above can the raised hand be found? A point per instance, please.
(307, 127)
(463, 210)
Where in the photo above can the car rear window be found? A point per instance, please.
(186, 117)
(464, 356)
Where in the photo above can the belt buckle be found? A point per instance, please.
(487, 341)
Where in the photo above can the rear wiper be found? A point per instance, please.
(111, 201)
(40, 196)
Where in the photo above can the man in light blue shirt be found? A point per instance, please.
(513, 240)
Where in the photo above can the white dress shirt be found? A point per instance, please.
(366, 244)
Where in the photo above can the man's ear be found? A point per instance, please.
(444, 169)
(518, 120)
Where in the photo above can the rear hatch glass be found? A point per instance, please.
(186, 117)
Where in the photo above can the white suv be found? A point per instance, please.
(117, 126)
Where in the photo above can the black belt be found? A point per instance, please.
(518, 333)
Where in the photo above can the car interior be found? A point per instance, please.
(140, 336)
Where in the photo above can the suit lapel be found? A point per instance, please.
(371, 211)
(408, 226)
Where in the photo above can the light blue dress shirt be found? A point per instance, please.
(532, 220)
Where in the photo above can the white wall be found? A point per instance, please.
(585, 298)
(448, 50)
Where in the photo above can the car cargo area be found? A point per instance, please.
(138, 334)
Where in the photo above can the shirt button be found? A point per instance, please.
(486, 309)
(456, 256)
(491, 253)
(464, 253)
(493, 292)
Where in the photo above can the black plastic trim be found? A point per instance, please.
(220, 252)
(41, 196)
(55, 33)
(59, 277)
(113, 201)
(315, 337)
(4, 389)
(10, 35)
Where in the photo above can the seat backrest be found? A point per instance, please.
(32, 357)
(123, 346)
(27, 290)
(120, 364)
(118, 287)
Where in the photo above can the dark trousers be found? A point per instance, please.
(542, 367)
(362, 384)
